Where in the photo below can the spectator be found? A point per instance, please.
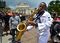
(13, 22)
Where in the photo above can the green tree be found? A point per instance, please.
(54, 6)
(3, 6)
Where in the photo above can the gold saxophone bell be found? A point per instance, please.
(21, 27)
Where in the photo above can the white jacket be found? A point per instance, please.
(46, 21)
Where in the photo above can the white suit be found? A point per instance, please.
(44, 27)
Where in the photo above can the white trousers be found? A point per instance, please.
(44, 38)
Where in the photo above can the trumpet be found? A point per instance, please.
(21, 27)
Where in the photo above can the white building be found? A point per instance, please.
(23, 8)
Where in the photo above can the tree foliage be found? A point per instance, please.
(54, 6)
(4, 7)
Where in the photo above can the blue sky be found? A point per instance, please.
(32, 3)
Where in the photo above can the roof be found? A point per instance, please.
(23, 5)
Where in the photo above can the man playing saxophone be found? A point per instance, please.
(43, 21)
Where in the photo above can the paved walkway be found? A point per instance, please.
(28, 37)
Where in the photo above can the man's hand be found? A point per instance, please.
(31, 22)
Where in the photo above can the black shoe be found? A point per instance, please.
(2, 34)
(18, 42)
(6, 34)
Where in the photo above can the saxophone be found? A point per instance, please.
(21, 27)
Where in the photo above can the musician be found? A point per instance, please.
(13, 22)
(42, 22)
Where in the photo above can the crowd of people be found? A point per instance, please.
(42, 21)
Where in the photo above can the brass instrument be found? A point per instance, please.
(23, 25)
